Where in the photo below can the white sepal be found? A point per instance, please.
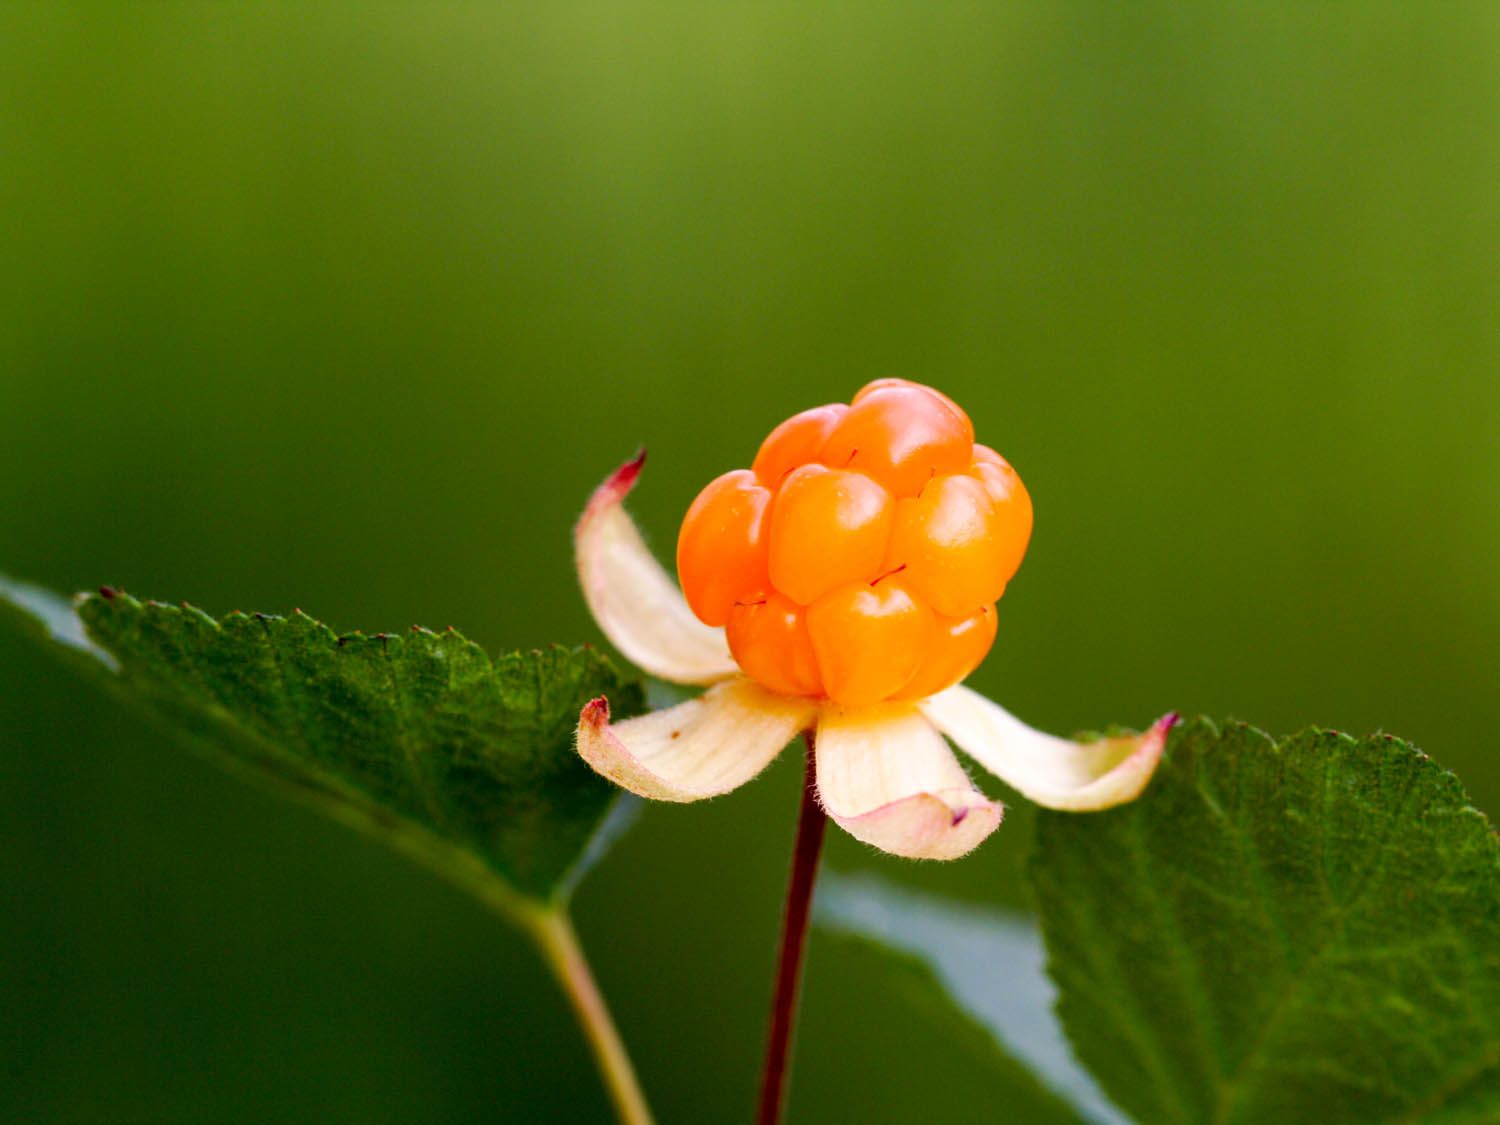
(1055, 772)
(888, 778)
(634, 600)
(696, 749)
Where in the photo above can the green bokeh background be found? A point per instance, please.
(347, 307)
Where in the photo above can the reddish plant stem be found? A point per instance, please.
(811, 822)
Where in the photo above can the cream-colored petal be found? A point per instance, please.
(1052, 771)
(634, 600)
(696, 749)
(888, 778)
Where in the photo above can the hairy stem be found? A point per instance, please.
(811, 822)
(558, 942)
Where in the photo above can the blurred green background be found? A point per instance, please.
(347, 307)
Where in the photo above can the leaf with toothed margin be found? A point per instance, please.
(418, 738)
(1304, 930)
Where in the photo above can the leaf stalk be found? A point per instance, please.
(558, 943)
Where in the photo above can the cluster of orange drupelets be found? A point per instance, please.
(860, 556)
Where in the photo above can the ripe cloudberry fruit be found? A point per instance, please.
(859, 558)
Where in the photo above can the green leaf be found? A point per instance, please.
(419, 738)
(1297, 931)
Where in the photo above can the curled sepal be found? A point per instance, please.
(888, 778)
(634, 600)
(696, 749)
(1052, 771)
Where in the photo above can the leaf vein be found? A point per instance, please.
(1234, 1086)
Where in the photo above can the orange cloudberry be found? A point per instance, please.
(880, 534)
(843, 585)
